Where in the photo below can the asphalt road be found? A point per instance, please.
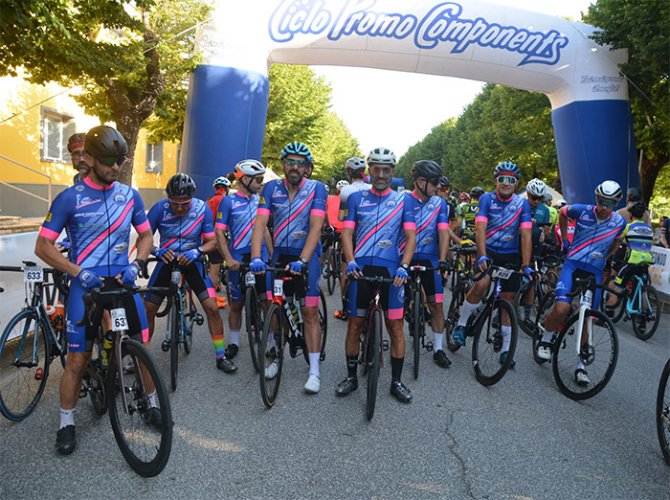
(457, 439)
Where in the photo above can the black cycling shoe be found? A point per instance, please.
(347, 386)
(401, 392)
(153, 418)
(231, 351)
(65, 440)
(441, 359)
(226, 365)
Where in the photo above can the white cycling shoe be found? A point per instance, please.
(271, 371)
(312, 385)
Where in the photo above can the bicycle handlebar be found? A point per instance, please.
(489, 270)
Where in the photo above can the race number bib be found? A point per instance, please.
(33, 274)
(119, 321)
(278, 288)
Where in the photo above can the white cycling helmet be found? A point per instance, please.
(249, 167)
(536, 187)
(341, 184)
(221, 181)
(609, 190)
(355, 163)
(383, 156)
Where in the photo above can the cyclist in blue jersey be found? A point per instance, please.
(374, 222)
(503, 236)
(186, 228)
(236, 214)
(298, 207)
(97, 214)
(597, 232)
(432, 246)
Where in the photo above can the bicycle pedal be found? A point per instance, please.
(165, 346)
(385, 345)
(39, 374)
(429, 346)
(199, 320)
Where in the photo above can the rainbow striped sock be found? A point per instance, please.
(217, 340)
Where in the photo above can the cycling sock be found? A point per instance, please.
(466, 310)
(396, 368)
(352, 366)
(234, 337)
(437, 341)
(580, 365)
(217, 340)
(547, 336)
(152, 400)
(507, 337)
(526, 312)
(66, 417)
(271, 340)
(314, 359)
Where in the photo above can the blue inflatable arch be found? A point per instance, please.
(228, 93)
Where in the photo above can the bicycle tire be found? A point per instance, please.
(175, 334)
(22, 386)
(451, 321)
(640, 322)
(323, 322)
(487, 351)
(147, 451)
(663, 413)
(538, 332)
(95, 386)
(331, 277)
(374, 356)
(252, 320)
(271, 351)
(191, 318)
(417, 317)
(564, 356)
(527, 326)
(617, 309)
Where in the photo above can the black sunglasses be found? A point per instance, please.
(111, 160)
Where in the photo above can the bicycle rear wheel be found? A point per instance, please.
(646, 322)
(331, 276)
(252, 319)
(529, 325)
(24, 364)
(271, 355)
(616, 295)
(418, 325)
(599, 360)
(192, 316)
(374, 360)
(323, 323)
(452, 321)
(488, 358)
(144, 435)
(663, 413)
(175, 334)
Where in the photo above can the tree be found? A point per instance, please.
(131, 57)
(642, 27)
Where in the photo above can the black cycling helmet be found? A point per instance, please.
(444, 182)
(476, 192)
(74, 140)
(180, 185)
(428, 169)
(634, 194)
(637, 209)
(103, 141)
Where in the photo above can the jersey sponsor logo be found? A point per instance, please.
(168, 216)
(48, 217)
(297, 235)
(85, 201)
(401, 294)
(121, 248)
(79, 187)
(262, 200)
(430, 206)
(385, 244)
(219, 215)
(366, 204)
(427, 241)
(166, 204)
(238, 204)
(596, 255)
(192, 215)
(120, 199)
(391, 203)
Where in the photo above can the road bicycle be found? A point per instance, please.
(417, 313)
(460, 284)
(333, 263)
(586, 341)
(485, 327)
(31, 341)
(638, 302)
(283, 325)
(130, 395)
(663, 412)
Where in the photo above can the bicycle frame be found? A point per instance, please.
(636, 298)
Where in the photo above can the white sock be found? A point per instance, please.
(152, 400)
(580, 365)
(547, 336)
(271, 340)
(314, 360)
(66, 417)
(437, 341)
(466, 311)
(507, 337)
(234, 337)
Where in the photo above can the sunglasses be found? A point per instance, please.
(507, 179)
(181, 203)
(292, 162)
(534, 198)
(381, 170)
(605, 203)
(111, 160)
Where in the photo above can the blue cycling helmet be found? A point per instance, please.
(297, 148)
(507, 167)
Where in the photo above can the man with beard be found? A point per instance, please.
(298, 207)
(75, 146)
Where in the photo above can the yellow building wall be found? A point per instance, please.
(20, 135)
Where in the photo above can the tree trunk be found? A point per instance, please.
(649, 171)
(130, 130)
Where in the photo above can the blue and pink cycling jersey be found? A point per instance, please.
(430, 216)
(504, 219)
(97, 220)
(184, 233)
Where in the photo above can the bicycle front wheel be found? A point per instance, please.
(143, 426)
(252, 318)
(332, 270)
(646, 321)
(663, 413)
(492, 353)
(271, 355)
(597, 359)
(373, 359)
(417, 329)
(24, 364)
(192, 316)
(175, 334)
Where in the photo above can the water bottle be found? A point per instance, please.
(106, 349)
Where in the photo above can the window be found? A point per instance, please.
(56, 128)
(154, 159)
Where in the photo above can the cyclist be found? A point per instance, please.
(333, 230)
(633, 196)
(503, 219)
(235, 216)
(298, 206)
(75, 146)
(96, 213)
(597, 232)
(553, 212)
(468, 212)
(221, 188)
(443, 189)
(374, 221)
(432, 246)
(186, 229)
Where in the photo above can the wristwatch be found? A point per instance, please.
(404, 266)
(303, 261)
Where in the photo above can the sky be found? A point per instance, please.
(413, 103)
